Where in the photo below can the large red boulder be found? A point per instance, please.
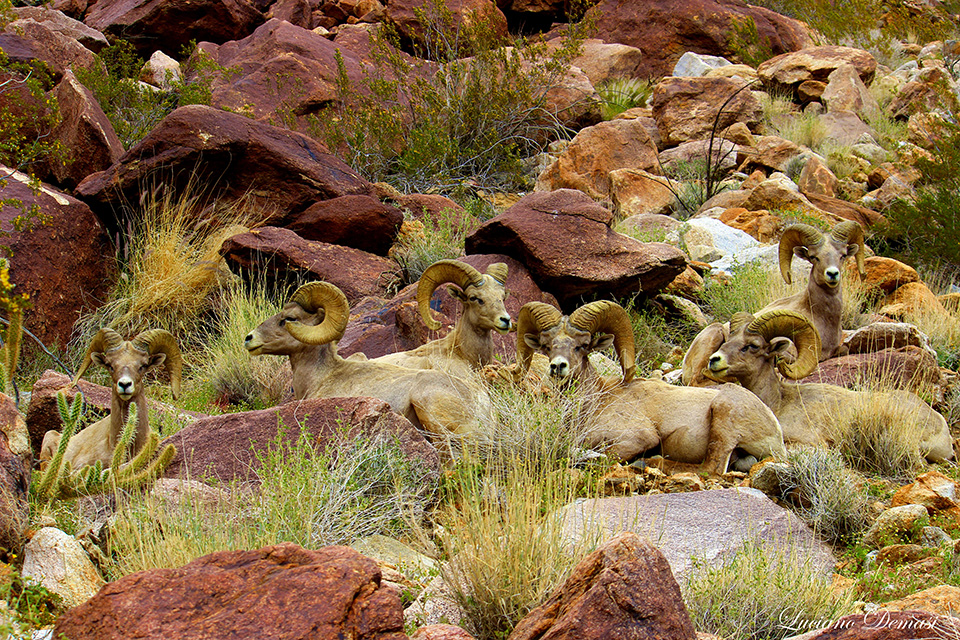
(282, 592)
(666, 29)
(624, 589)
(360, 221)
(415, 20)
(230, 447)
(169, 25)
(688, 108)
(64, 263)
(273, 169)
(281, 254)
(564, 239)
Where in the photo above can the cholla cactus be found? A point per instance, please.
(14, 304)
(59, 481)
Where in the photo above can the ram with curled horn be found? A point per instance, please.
(307, 330)
(821, 301)
(469, 346)
(128, 362)
(758, 354)
(628, 416)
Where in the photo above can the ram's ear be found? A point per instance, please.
(457, 293)
(780, 347)
(602, 341)
(532, 340)
(97, 357)
(156, 360)
(801, 252)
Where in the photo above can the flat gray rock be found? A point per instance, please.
(704, 524)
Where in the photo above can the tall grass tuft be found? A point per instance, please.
(751, 287)
(760, 593)
(621, 94)
(434, 238)
(355, 488)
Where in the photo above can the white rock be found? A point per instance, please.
(694, 65)
(58, 562)
(161, 71)
(726, 240)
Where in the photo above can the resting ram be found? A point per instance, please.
(469, 346)
(696, 426)
(821, 301)
(755, 356)
(307, 330)
(128, 361)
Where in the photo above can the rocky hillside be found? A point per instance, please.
(182, 165)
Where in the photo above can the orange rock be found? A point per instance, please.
(933, 490)
(912, 299)
(760, 224)
(944, 600)
(886, 274)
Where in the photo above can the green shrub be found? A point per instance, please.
(751, 287)
(433, 238)
(761, 593)
(618, 95)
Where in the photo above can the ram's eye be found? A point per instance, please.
(477, 300)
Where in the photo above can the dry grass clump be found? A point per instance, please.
(172, 264)
(438, 238)
(825, 494)
(752, 287)
(761, 593)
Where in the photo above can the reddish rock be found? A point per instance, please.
(877, 336)
(228, 447)
(886, 625)
(624, 589)
(565, 240)
(14, 487)
(923, 95)
(275, 169)
(766, 153)
(282, 254)
(407, 17)
(296, 12)
(686, 108)
(788, 70)
(169, 25)
(84, 133)
(59, 22)
(29, 39)
(933, 490)
(380, 327)
(440, 632)
(666, 29)
(846, 210)
(887, 274)
(817, 178)
(603, 61)
(910, 368)
(594, 152)
(361, 222)
(762, 225)
(65, 265)
(282, 592)
(432, 206)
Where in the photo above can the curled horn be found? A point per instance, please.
(498, 271)
(320, 297)
(459, 273)
(850, 232)
(796, 235)
(162, 341)
(605, 316)
(105, 340)
(535, 317)
(796, 326)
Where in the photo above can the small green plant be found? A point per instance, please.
(59, 482)
(29, 605)
(621, 94)
(760, 593)
(746, 44)
(434, 238)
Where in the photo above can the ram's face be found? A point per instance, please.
(483, 306)
(826, 260)
(127, 366)
(272, 337)
(568, 349)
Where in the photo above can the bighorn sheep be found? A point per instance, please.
(469, 346)
(821, 301)
(128, 361)
(307, 330)
(696, 426)
(754, 353)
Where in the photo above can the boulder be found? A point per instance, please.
(84, 133)
(709, 525)
(603, 61)
(274, 169)
(407, 16)
(762, 225)
(565, 240)
(686, 108)
(894, 524)
(666, 29)
(767, 153)
(282, 591)
(161, 71)
(282, 255)
(845, 91)
(638, 192)
(63, 265)
(943, 600)
(788, 70)
(594, 152)
(912, 300)
(440, 632)
(14, 481)
(933, 490)
(817, 178)
(877, 336)
(27, 39)
(623, 589)
(229, 447)
(886, 274)
(687, 158)
(359, 221)
(171, 25)
(56, 561)
(911, 368)
(843, 210)
(844, 127)
(65, 25)
(694, 65)
(927, 93)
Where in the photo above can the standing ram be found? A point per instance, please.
(128, 361)
(821, 301)
(307, 330)
(755, 356)
(628, 416)
(469, 346)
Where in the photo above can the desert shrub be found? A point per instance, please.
(433, 238)
(468, 120)
(745, 42)
(825, 494)
(236, 379)
(171, 265)
(30, 605)
(751, 287)
(356, 488)
(760, 593)
(620, 94)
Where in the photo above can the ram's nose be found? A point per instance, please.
(559, 368)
